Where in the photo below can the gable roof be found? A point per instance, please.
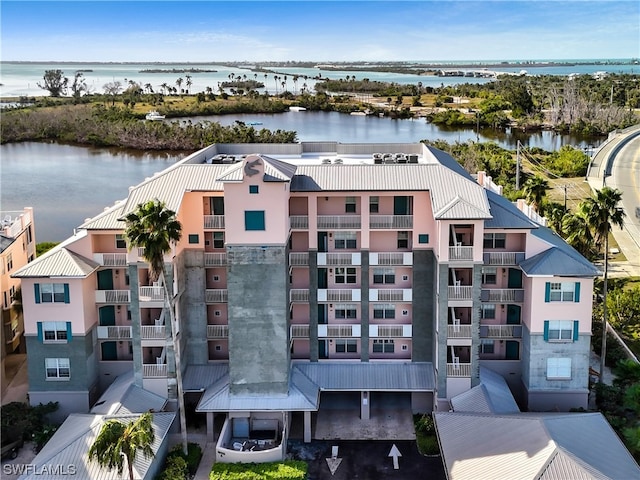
(58, 262)
(123, 397)
(505, 214)
(558, 262)
(274, 170)
(492, 395)
(109, 219)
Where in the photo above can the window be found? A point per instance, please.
(405, 313)
(383, 346)
(494, 240)
(254, 220)
(383, 310)
(344, 345)
(374, 204)
(217, 313)
(558, 368)
(194, 238)
(403, 239)
(218, 239)
(561, 330)
(253, 189)
(486, 346)
(54, 331)
(216, 278)
(57, 368)
(52, 292)
(489, 275)
(350, 205)
(345, 240)
(345, 275)
(12, 293)
(346, 311)
(120, 241)
(562, 292)
(488, 310)
(128, 313)
(423, 238)
(384, 275)
(9, 262)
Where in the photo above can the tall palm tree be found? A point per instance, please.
(535, 189)
(577, 233)
(188, 83)
(555, 213)
(179, 84)
(154, 227)
(118, 441)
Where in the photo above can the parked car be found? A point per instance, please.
(10, 449)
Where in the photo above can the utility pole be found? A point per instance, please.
(518, 166)
(565, 198)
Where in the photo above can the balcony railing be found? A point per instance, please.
(299, 259)
(339, 295)
(460, 292)
(339, 258)
(299, 331)
(391, 258)
(299, 295)
(113, 296)
(214, 222)
(111, 259)
(215, 295)
(338, 222)
(299, 222)
(151, 294)
(217, 331)
(114, 332)
(500, 331)
(503, 295)
(502, 258)
(152, 370)
(458, 369)
(390, 295)
(460, 253)
(458, 331)
(400, 222)
(153, 332)
(215, 259)
(390, 331)
(339, 331)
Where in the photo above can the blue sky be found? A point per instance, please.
(207, 31)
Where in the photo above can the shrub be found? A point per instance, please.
(288, 470)
(428, 445)
(175, 468)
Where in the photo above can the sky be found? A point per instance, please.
(319, 31)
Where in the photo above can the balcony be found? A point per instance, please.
(113, 296)
(339, 222)
(500, 331)
(111, 259)
(151, 294)
(153, 332)
(217, 331)
(339, 259)
(113, 332)
(391, 258)
(390, 295)
(339, 295)
(339, 331)
(298, 259)
(390, 331)
(214, 222)
(215, 295)
(299, 295)
(215, 259)
(458, 370)
(502, 258)
(152, 370)
(502, 295)
(458, 331)
(299, 222)
(391, 222)
(461, 253)
(460, 292)
(299, 331)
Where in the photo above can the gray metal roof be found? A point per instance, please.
(123, 397)
(70, 445)
(491, 396)
(274, 170)
(448, 161)
(532, 446)
(58, 262)
(107, 220)
(198, 377)
(5, 242)
(505, 214)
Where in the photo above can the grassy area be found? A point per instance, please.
(287, 470)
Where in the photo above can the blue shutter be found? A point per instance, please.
(36, 289)
(66, 293)
(547, 292)
(576, 334)
(68, 331)
(576, 297)
(40, 336)
(545, 335)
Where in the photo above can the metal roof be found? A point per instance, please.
(107, 220)
(491, 396)
(70, 444)
(274, 170)
(58, 262)
(5, 242)
(505, 214)
(198, 377)
(123, 397)
(558, 262)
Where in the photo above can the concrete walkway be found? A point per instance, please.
(15, 366)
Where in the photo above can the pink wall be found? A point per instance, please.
(299, 241)
(541, 310)
(104, 243)
(220, 273)
(298, 205)
(300, 278)
(222, 353)
(191, 216)
(212, 318)
(300, 313)
(300, 348)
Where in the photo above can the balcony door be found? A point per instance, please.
(107, 315)
(515, 278)
(109, 350)
(217, 205)
(323, 350)
(323, 314)
(512, 350)
(323, 242)
(513, 314)
(323, 280)
(105, 279)
(402, 205)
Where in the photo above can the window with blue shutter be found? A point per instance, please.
(36, 289)
(66, 293)
(547, 292)
(576, 297)
(254, 220)
(576, 333)
(40, 336)
(545, 334)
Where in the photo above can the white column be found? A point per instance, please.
(307, 427)
(365, 406)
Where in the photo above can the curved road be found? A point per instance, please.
(625, 176)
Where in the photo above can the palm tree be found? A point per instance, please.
(154, 227)
(188, 83)
(535, 189)
(577, 233)
(601, 210)
(555, 213)
(179, 83)
(118, 440)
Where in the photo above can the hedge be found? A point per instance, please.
(288, 470)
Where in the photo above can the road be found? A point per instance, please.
(625, 176)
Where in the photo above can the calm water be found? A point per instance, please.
(67, 184)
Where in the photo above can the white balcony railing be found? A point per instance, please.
(500, 331)
(217, 331)
(390, 331)
(151, 294)
(214, 222)
(391, 258)
(153, 332)
(298, 259)
(299, 331)
(502, 295)
(460, 292)
(111, 259)
(152, 370)
(458, 331)
(299, 222)
(215, 295)
(114, 332)
(400, 222)
(113, 296)
(339, 331)
(458, 369)
(215, 259)
(299, 295)
(390, 295)
(339, 258)
(338, 222)
(503, 258)
(460, 253)
(339, 295)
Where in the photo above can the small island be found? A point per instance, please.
(177, 70)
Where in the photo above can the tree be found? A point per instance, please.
(79, 85)
(179, 84)
(578, 234)
(535, 189)
(113, 89)
(601, 211)
(118, 441)
(188, 83)
(55, 82)
(154, 227)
